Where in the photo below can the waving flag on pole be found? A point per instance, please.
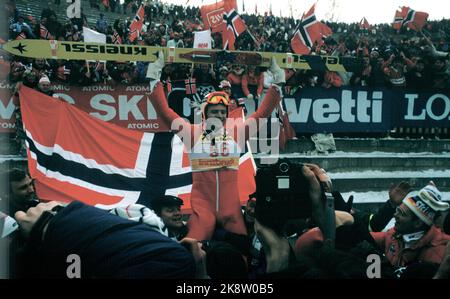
(44, 33)
(116, 39)
(307, 33)
(364, 24)
(414, 20)
(398, 20)
(136, 24)
(233, 26)
(212, 14)
(325, 31)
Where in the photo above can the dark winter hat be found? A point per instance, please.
(166, 201)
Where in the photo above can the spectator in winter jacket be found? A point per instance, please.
(413, 239)
(106, 245)
(168, 208)
(253, 83)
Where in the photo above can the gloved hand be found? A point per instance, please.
(154, 69)
(250, 97)
(278, 73)
(340, 204)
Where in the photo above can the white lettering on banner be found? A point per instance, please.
(362, 105)
(446, 107)
(7, 112)
(348, 104)
(330, 110)
(151, 112)
(301, 114)
(137, 88)
(215, 18)
(98, 88)
(125, 107)
(65, 97)
(410, 112)
(7, 125)
(60, 87)
(323, 107)
(96, 103)
(411, 98)
(5, 85)
(143, 126)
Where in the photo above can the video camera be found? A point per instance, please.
(282, 193)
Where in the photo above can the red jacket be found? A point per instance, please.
(215, 194)
(430, 248)
(253, 80)
(234, 79)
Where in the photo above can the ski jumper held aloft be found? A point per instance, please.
(214, 156)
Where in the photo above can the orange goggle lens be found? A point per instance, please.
(218, 98)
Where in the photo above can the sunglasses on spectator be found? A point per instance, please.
(218, 97)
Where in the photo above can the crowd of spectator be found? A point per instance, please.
(390, 58)
(415, 247)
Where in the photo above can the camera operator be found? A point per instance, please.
(278, 252)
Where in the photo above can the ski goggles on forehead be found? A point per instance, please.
(218, 98)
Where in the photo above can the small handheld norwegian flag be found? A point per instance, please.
(191, 86)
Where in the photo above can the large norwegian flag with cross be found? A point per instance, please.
(74, 156)
(307, 33)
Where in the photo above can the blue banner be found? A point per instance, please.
(352, 109)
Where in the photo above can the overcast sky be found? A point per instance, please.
(375, 11)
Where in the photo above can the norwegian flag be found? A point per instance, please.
(233, 26)
(191, 86)
(307, 33)
(136, 25)
(398, 20)
(414, 20)
(116, 39)
(21, 36)
(44, 33)
(74, 156)
(364, 24)
(325, 31)
(168, 85)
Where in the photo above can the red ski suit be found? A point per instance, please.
(214, 195)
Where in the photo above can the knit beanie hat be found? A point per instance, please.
(426, 204)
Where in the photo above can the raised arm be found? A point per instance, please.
(270, 102)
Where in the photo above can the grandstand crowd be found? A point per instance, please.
(114, 247)
(391, 59)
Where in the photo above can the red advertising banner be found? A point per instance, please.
(212, 14)
(126, 106)
(7, 107)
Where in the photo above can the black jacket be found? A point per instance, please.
(108, 247)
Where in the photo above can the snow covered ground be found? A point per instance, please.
(339, 154)
(378, 197)
(377, 174)
(4, 158)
